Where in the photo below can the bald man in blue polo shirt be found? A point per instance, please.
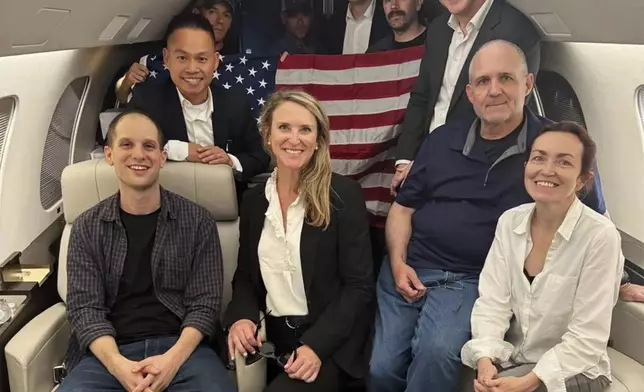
(441, 226)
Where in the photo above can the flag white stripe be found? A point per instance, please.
(377, 74)
(354, 107)
(376, 180)
(378, 207)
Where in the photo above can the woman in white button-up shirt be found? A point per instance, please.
(555, 266)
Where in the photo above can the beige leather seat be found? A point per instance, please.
(626, 352)
(41, 344)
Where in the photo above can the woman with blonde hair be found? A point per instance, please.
(304, 258)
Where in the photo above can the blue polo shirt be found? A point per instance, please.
(459, 195)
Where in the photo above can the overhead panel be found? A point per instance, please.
(551, 24)
(42, 26)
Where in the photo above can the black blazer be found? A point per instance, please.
(235, 129)
(332, 35)
(502, 22)
(337, 270)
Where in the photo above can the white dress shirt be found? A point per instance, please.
(563, 318)
(279, 255)
(199, 127)
(358, 32)
(459, 50)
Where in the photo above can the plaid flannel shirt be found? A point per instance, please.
(187, 268)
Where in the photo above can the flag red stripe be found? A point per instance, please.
(347, 62)
(362, 121)
(326, 92)
(378, 194)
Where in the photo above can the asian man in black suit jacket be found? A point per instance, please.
(453, 38)
(202, 122)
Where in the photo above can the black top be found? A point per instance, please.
(389, 43)
(495, 148)
(292, 45)
(137, 313)
(528, 276)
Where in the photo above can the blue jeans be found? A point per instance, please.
(417, 346)
(203, 371)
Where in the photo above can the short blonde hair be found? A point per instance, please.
(315, 178)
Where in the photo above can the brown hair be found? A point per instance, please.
(589, 148)
(315, 178)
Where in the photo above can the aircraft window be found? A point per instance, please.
(640, 105)
(59, 140)
(7, 106)
(560, 103)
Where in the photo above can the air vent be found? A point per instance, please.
(113, 28)
(59, 140)
(138, 28)
(7, 106)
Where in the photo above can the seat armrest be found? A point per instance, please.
(627, 371)
(626, 330)
(34, 351)
(251, 378)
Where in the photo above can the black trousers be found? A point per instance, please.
(330, 378)
(378, 248)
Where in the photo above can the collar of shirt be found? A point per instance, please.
(111, 210)
(477, 20)
(368, 14)
(567, 226)
(201, 112)
(271, 189)
(468, 143)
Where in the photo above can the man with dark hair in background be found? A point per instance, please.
(404, 17)
(145, 279)
(299, 37)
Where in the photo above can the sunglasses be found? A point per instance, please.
(267, 350)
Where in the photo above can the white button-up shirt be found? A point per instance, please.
(279, 255)
(459, 50)
(198, 120)
(563, 318)
(358, 32)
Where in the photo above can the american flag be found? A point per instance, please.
(365, 96)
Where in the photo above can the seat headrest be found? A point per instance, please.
(86, 183)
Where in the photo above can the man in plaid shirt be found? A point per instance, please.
(145, 279)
